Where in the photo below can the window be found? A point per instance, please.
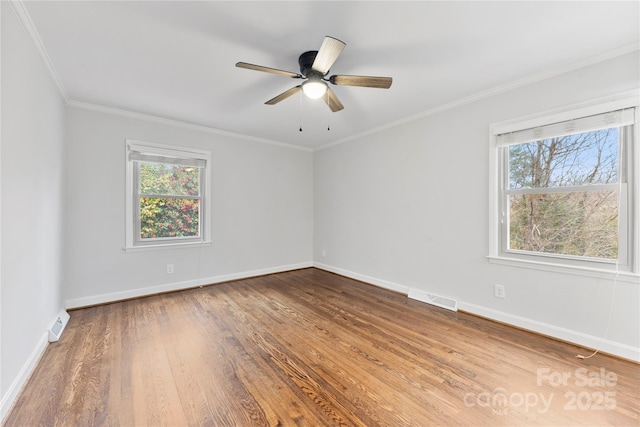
(167, 200)
(564, 189)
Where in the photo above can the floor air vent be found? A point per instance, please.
(58, 326)
(437, 300)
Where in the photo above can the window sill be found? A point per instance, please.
(621, 276)
(144, 248)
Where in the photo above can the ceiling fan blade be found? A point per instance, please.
(284, 95)
(332, 100)
(327, 55)
(268, 70)
(365, 81)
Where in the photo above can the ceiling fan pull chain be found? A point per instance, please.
(300, 111)
(327, 100)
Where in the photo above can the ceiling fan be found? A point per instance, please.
(314, 66)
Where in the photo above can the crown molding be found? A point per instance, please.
(534, 78)
(28, 25)
(180, 124)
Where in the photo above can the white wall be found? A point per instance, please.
(262, 198)
(407, 208)
(32, 197)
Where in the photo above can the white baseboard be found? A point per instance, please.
(361, 277)
(176, 286)
(12, 393)
(579, 338)
(611, 347)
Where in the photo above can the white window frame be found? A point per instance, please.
(134, 149)
(627, 267)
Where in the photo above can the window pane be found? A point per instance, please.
(167, 217)
(580, 159)
(577, 224)
(158, 178)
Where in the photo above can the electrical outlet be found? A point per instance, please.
(498, 291)
(324, 253)
(169, 268)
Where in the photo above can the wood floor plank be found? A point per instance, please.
(311, 348)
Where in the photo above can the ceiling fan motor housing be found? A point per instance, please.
(306, 62)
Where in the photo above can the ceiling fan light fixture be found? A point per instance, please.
(314, 89)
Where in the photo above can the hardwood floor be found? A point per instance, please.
(310, 348)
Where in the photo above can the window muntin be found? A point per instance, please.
(564, 188)
(167, 197)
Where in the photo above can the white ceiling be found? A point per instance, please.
(176, 59)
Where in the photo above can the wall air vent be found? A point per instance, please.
(437, 300)
(58, 326)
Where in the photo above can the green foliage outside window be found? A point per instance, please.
(577, 224)
(166, 208)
